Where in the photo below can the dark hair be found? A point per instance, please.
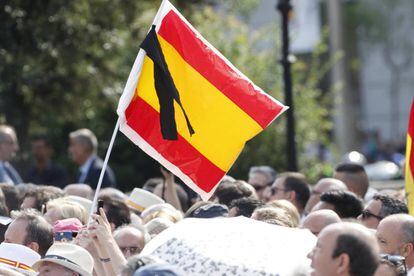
(228, 191)
(42, 195)
(11, 194)
(346, 204)
(190, 212)
(300, 187)
(349, 168)
(363, 260)
(355, 176)
(37, 230)
(116, 211)
(245, 206)
(390, 206)
(42, 137)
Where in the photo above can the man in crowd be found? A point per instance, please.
(83, 151)
(65, 259)
(292, 187)
(228, 191)
(244, 206)
(354, 177)
(345, 249)
(130, 240)
(8, 148)
(395, 235)
(44, 171)
(346, 204)
(261, 178)
(323, 185)
(380, 207)
(79, 189)
(318, 220)
(30, 229)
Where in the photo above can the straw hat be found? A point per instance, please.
(18, 257)
(141, 199)
(70, 256)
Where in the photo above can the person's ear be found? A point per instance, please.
(292, 196)
(407, 249)
(34, 246)
(113, 226)
(343, 262)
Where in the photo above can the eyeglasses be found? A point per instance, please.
(132, 250)
(397, 261)
(367, 214)
(259, 188)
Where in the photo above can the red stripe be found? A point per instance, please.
(145, 121)
(212, 67)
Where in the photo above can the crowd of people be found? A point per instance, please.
(46, 227)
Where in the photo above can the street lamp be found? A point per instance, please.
(284, 7)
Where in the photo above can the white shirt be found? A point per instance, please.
(84, 169)
(5, 177)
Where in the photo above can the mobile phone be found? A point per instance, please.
(100, 205)
(65, 236)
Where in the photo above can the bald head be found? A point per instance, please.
(354, 176)
(323, 185)
(345, 248)
(395, 235)
(318, 220)
(130, 240)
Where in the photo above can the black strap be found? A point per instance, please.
(165, 87)
(58, 258)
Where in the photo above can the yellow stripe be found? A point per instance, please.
(409, 181)
(136, 206)
(221, 127)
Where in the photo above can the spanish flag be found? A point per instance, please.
(409, 162)
(187, 106)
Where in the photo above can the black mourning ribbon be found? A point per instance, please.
(165, 87)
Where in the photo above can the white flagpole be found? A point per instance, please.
(105, 164)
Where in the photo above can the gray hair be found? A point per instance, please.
(85, 137)
(407, 228)
(5, 132)
(269, 172)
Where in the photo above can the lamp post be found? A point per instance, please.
(284, 7)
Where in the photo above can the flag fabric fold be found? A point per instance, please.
(409, 162)
(179, 77)
(165, 87)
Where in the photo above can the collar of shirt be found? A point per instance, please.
(85, 167)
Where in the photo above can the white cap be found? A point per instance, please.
(141, 199)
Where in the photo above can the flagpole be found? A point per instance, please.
(105, 164)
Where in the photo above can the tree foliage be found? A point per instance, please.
(64, 65)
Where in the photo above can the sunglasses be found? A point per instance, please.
(259, 188)
(276, 189)
(132, 250)
(397, 261)
(367, 214)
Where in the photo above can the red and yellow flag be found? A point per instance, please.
(188, 107)
(409, 162)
